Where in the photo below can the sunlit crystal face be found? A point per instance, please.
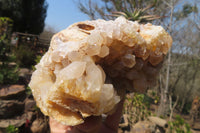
(89, 62)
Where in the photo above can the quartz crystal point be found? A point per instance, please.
(89, 64)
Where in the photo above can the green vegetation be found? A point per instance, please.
(25, 56)
(136, 107)
(37, 60)
(8, 71)
(28, 90)
(138, 14)
(135, 10)
(179, 126)
(12, 129)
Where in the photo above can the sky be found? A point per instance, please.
(62, 13)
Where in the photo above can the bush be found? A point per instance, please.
(179, 126)
(8, 72)
(8, 75)
(37, 60)
(137, 108)
(186, 108)
(25, 56)
(12, 129)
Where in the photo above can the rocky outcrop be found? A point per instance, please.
(144, 127)
(10, 108)
(15, 108)
(16, 121)
(14, 92)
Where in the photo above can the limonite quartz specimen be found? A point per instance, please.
(89, 64)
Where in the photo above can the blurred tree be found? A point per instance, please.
(28, 15)
(186, 10)
(135, 10)
(8, 72)
(185, 70)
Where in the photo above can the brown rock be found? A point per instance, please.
(24, 75)
(10, 108)
(24, 72)
(29, 105)
(12, 92)
(143, 127)
(124, 122)
(39, 126)
(17, 121)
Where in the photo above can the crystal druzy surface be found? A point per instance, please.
(90, 63)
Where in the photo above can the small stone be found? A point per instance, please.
(144, 127)
(39, 126)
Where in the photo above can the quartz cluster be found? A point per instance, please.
(89, 64)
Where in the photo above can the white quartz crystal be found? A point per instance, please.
(90, 63)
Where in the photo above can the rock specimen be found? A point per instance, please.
(89, 64)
